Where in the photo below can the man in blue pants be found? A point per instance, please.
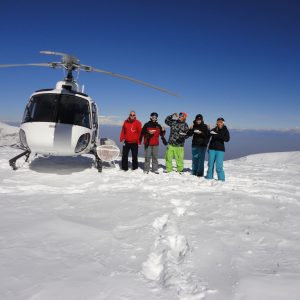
(219, 135)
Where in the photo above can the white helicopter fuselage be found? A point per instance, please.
(53, 139)
(60, 122)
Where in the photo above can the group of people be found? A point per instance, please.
(204, 138)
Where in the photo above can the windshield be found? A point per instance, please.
(58, 108)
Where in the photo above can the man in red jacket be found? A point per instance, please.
(151, 133)
(130, 135)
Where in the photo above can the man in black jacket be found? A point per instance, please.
(219, 135)
(200, 134)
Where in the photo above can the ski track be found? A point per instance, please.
(161, 225)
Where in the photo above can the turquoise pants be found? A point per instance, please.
(198, 160)
(215, 157)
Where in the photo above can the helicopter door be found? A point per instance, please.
(95, 122)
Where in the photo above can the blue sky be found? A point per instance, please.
(236, 59)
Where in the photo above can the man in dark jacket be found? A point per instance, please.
(151, 132)
(130, 135)
(219, 135)
(200, 134)
(178, 135)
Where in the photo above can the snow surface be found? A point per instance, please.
(68, 232)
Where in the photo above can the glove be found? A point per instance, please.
(182, 133)
(164, 141)
(213, 132)
(197, 131)
(175, 116)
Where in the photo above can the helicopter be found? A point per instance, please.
(63, 121)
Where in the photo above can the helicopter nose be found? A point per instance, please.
(61, 139)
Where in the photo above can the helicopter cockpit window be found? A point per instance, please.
(58, 108)
(74, 110)
(41, 108)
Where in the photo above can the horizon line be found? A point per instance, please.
(109, 122)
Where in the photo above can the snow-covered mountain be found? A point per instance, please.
(8, 134)
(68, 232)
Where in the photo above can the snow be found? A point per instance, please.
(68, 232)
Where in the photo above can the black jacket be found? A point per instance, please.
(199, 139)
(217, 140)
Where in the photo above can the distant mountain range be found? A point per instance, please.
(243, 141)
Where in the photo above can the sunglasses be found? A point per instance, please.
(153, 117)
(132, 115)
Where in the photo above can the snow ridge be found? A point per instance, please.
(9, 135)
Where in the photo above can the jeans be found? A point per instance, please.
(198, 160)
(134, 152)
(215, 157)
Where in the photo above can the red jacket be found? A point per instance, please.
(131, 131)
(151, 132)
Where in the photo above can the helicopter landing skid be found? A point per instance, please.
(98, 161)
(12, 162)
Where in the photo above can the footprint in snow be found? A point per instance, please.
(161, 222)
(175, 202)
(179, 211)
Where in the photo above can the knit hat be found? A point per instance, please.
(154, 114)
(220, 119)
(199, 117)
(183, 115)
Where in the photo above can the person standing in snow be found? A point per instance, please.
(178, 135)
(200, 133)
(216, 150)
(151, 132)
(130, 136)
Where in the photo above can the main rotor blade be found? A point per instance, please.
(68, 58)
(28, 65)
(54, 53)
(130, 79)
